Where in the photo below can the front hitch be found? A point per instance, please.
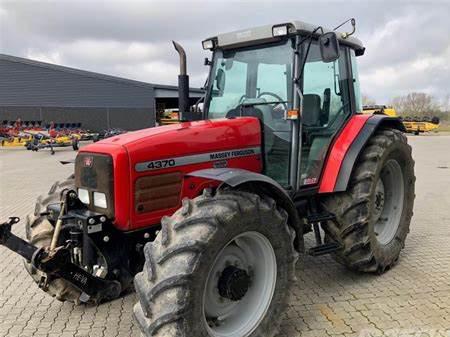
(57, 263)
(14, 243)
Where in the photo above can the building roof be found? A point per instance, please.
(91, 74)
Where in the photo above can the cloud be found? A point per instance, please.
(422, 74)
(407, 42)
(409, 53)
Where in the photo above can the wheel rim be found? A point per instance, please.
(388, 203)
(247, 304)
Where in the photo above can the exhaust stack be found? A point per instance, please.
(183, 85)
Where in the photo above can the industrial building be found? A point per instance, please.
(38, 91)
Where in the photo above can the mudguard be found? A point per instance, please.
(242, 178)
(347, 147)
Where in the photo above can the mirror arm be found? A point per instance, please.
(198, 102)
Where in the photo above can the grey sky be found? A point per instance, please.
(408, 42)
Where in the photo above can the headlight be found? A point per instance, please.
(281, 30)
(83, 195)
(100, 200)
(208, 44)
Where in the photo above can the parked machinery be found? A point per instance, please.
(419, 125)
(35, 135)
(413, 124)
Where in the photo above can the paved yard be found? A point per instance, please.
(413, 299)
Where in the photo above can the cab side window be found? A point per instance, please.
(356, 85)
(326, 106)
(226, 98)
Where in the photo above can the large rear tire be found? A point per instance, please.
(221, 266)
(374, 214)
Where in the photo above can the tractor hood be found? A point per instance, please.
(184, 139)
(163, 156)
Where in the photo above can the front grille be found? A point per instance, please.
(153, 193)
(94, 172)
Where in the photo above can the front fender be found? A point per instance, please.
(261, 185)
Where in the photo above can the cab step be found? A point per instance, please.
(320, 217)
(323, 249)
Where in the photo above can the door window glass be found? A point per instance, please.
(326, 106)
(356, 85)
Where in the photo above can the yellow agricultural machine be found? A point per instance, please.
(43, 141)
(170, 116)
(421, 124)
(33, 135)
(15, 141)
(379, 109)
(413, 124)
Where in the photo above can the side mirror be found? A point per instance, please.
(329, 47)
(220, 81)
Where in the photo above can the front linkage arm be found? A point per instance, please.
(58, 263)
(16, 244)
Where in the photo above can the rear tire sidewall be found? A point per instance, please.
(280, 244)
(400, 152)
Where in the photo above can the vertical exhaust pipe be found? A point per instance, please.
(183, 85)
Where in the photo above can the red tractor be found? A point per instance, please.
(208, 216)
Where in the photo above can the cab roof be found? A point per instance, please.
(263, 34)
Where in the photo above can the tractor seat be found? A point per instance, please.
(315, 143)
(311, 110)
(262, 112)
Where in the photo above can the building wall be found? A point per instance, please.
(28, 85)
(33, 92)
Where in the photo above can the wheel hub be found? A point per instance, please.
(379, 200)
(240, 286)
(234, 283)
(388, 202)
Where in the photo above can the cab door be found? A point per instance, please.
(327, 105)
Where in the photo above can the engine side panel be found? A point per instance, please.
(152, 167)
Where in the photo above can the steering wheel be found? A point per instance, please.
(267, 93)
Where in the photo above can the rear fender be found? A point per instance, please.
(347, 147)
(259, 184)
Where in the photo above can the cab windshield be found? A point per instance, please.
(251, 76)
(257, 82)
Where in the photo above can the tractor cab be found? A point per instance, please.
(283, 75)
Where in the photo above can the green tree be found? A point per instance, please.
(416, 104)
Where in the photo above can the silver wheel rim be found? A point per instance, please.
(252, 252)
(388, 203)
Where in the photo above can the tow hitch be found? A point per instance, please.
(57, 263)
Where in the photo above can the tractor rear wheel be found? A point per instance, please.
(39, 232)
(221, 266)
(374, 214)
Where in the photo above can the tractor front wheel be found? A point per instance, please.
(39, 232)
(374, 214)
(221, 266)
